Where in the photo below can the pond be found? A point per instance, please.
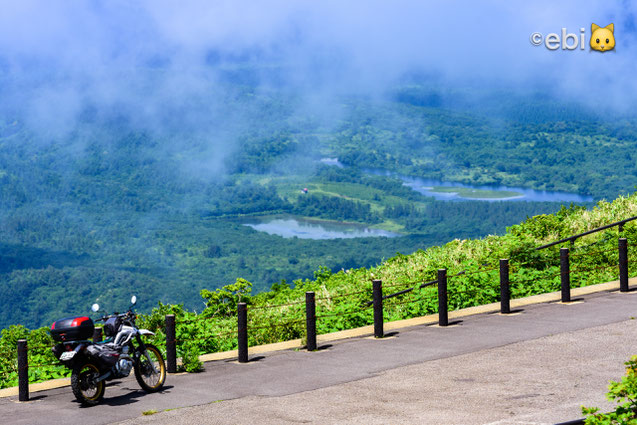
(289, 227)
(452, 191)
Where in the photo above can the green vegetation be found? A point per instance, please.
(278, 314)
(464, 192)
(530, 141)
(624, 393)
(108, 210)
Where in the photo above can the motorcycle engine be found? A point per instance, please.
(124, 366)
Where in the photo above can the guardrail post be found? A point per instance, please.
(377, 291)
(171, 344)
(505, 290)
(242, 332)
(565, 275)
(23, 371)
(443, 319)
(623, 265)
(310, 320)
(97, 335)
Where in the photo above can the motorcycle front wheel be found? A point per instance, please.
(83, 384)
(151, 376)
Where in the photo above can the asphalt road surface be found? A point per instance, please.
(538, 366)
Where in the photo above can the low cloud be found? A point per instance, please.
(165, 65)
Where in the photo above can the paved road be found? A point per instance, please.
(535, 367)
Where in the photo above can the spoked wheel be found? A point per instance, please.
(85, 389)
(150, 375)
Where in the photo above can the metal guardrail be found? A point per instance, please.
(311, 317)
(579, 235)
(405, 291)
(429, 283)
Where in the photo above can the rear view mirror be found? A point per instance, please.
(133, 300)
(95, 308)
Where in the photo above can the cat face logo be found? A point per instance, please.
(603, 39)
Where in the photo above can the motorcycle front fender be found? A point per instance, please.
(146, 332)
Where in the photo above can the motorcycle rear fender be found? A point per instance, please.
(146, 332)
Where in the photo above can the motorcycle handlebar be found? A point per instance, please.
(129, 313)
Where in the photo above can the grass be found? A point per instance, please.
(466, 192)
(533, 272)
(289, 188)
(389, 225)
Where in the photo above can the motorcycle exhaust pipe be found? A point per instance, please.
(103, 377)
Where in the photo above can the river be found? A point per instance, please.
(443, 190)
(290, 226)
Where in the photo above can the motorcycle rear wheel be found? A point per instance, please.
(84, 388)
(151, 380)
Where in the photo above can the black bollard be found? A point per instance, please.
(97, 335)
(443, 319)
(505, 290)
(23, 371)
(623, 265)
(171, 344)
(565, 274)
(377, 292)
(242, 332)
(310, 320)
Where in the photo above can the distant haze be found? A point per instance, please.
(133, 134)
(162, 63)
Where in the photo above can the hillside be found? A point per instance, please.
(106, 208)
(278, 314)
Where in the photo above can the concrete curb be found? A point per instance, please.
(365, 331)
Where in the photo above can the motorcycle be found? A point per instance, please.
(93, 363)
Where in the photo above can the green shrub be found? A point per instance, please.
(624, 393)
(342, 297)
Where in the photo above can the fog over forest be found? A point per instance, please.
(137, 139)
(150, 60)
